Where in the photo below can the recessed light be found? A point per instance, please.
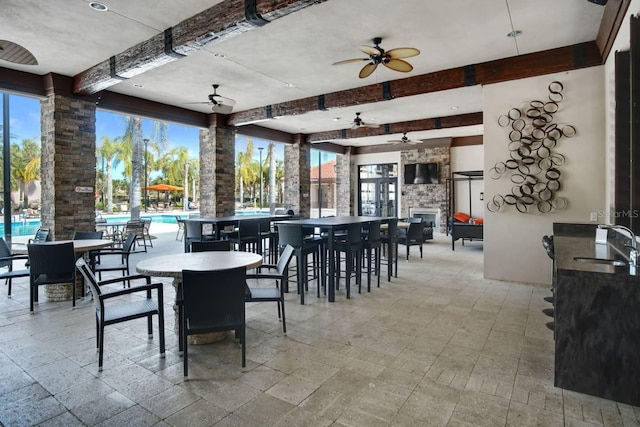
(514, 33)
(219, 55)
(100, 7)
(454, 107)
(138, 85)
(336, 119)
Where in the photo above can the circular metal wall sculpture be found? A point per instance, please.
(533, 166)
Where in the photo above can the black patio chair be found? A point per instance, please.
(279, 273)
(89, 235)
(412, 236)
(213, 301)
(210, 245)
(128, 309)
(115, 259)
(51, 263)
(6, 261)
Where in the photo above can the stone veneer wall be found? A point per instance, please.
(217, 170)
(427, 195)
(345, 176)
(68, 160)
(297, 173)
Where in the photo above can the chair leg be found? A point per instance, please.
(100, 347)
(243, 338)
(284, 321)
(396, 260)
(161, 330)
(185, 352)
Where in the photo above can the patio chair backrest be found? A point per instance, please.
(90, 279)
(87, 235)
(5, 252)
(42, 235)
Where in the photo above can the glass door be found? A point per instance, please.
(377, 190)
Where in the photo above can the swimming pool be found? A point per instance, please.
(30, 226)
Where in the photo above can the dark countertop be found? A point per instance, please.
(567, 247)
(596, 316)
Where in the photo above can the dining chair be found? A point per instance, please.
(279, 273)
(193, 233)
(371, 245)
(6, 261)
(136, 226)
(180, 233)
(115, 259)
(351, 245)
(292, 234)
(126, 309)
(248, 236)
(52, 263)
(88, 235)
(390, 243)
(145, 230)
(210, 245)
(213, 301)
(412, 236)
(42, 235)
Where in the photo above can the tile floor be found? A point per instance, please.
(439, 345)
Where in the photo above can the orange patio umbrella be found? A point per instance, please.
(162, 187)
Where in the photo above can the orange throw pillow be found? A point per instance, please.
(478, 221)
(461, 216)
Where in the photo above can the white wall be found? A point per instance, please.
(468, 158)
(512, 240)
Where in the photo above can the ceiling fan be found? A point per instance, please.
(359, 123)
(405, 140)
(219, 103)
(391, 58)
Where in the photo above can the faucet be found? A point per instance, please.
(633, 247)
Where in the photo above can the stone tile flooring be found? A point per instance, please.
(439, 345)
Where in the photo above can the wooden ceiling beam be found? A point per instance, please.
(612, 17)
(517, 67)
(223, 21)
(399, 127)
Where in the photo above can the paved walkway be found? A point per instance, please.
(439, 345)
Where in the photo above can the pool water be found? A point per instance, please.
(29, 227)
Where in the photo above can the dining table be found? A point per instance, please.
(172, 266)
(80, 247)
(220, 222)
(330, 225)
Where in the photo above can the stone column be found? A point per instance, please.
(217, 168)
(346, 174)
(297, 173)
(68, 162)
(67, 170)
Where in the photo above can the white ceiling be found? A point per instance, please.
(254, 68)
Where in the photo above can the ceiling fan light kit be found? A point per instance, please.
(392, 59)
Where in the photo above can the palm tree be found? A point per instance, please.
(272, 174)
(133, 140)
(246, 174)
(175, 166)
(25, 166)
(108, 153)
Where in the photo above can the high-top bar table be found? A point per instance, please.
(330, 224)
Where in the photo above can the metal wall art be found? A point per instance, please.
(533, 165)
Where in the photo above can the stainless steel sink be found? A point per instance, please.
(612, 262)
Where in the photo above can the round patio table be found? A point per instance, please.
(172, 266)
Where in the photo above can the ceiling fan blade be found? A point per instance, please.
(224, 100)
(369, 50)
(348, 61)
(395, 141)
(193, 103)
(367, 70)
(222, 108)
(403, 52)
(398, 65)
(13, 52)
(370, 125)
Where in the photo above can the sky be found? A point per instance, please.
(25, 124)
